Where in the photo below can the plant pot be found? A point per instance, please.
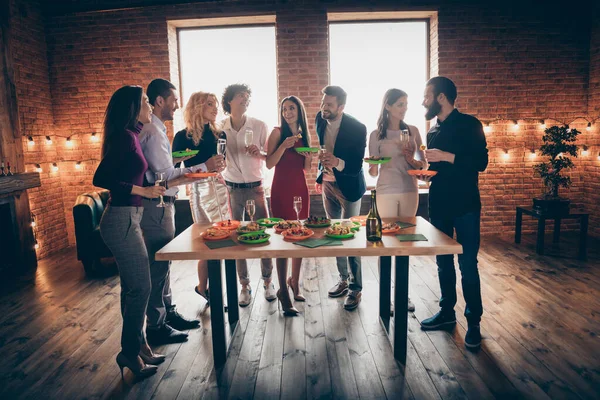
(551, 205)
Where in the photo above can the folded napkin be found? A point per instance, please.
(404, 224)
(410, 237)
(312, 243)
(219, 244)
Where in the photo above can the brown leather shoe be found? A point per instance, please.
(340, 289)
(353, 300)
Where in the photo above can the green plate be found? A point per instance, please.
(307, 149)
(346, 236)
(244, 232)
(324, 225)
(274, 220)
(383, 160)
(183, 153)
(356, 225)
(245, 238)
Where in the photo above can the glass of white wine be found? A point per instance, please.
(159, 180)
(297, 206)
(248, 137)
(250, 209)
(221, 147)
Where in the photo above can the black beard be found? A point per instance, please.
(433, 110)
(332, 115)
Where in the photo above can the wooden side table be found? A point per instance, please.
(539, 248)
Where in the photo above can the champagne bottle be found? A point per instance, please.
(373, 220)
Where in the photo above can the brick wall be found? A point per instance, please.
(508, 64)
(592, 167)
(28, 47)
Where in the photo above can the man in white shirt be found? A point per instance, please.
(164, 323)
(244, 174)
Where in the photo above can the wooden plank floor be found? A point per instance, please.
(60, 333)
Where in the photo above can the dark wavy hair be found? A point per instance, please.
(441, 84)
(389, 98)
(230, 92)
(286, 132)
(122, 113)
(339, 93)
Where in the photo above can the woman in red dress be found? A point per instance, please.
(289, 182)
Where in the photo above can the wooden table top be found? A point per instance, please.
(190, 246)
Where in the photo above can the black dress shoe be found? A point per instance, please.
(179, 322)
(473, 337)
(440, 320)
(165, 335)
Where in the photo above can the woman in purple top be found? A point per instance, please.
(122, 172)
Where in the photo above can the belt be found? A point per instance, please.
(244, 185)
(166, 199)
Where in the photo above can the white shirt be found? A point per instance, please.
(331, 132)
(242, 167)
(157, 151)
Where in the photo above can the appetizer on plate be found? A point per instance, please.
(287, 224)
(297, 233)
(215, 234)
(315, 221)
(254, 238)
(389, 227)
(251, 227)
(229, 224)
(339, 230)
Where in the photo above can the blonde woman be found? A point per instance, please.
(201, 133)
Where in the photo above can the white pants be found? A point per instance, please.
(397, 205)
(205, 203)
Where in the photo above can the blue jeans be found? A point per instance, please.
(336, 206)
(467, 234)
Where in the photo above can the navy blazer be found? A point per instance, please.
(350, 146)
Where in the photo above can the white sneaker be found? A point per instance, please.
(270, 292)
(245, 296)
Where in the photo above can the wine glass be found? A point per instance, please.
(323, 150)
(221, 147)
(297, 206)
(248, 137)
(250, 209)
(404, 138)
(159, 180)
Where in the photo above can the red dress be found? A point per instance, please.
(289, 181)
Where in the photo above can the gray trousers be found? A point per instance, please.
(237, 202)
(158, 225)
(120, 230)
(336, 206)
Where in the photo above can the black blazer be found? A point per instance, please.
(350, 146)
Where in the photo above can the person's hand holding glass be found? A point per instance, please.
(159, 180)
(325, 159)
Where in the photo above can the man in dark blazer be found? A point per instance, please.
(341, 181)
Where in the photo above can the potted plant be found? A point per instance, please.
(558, 146)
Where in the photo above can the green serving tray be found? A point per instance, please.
(245, 238)
(346, 236)
(307, 149)
(184, 153)
(383, 160)
(275, 221)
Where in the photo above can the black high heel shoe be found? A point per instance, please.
(288, 309)
(140, 372)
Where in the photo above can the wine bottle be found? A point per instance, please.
(373, 220)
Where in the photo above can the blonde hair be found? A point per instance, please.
(193, 118)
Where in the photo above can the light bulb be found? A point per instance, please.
(589, 127)
(516, 124)
(30, 141)
(54, 167)
(37, 245)
(506, 156)
(532, 154)
(542, 124)
(48, 140)
(38, 168)
(487, 128)
(78, 165)
(69, 142)
(584, 151)
(94, 137)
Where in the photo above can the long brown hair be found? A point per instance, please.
(286, 132)
(390, 97)
(122, 112)
(194, 118)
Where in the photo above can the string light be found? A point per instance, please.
(38, 168)
(487, 128)
(78, 165)
(48, 140)
(532, 154)
(598, 156)
(30, 141)
(506, 156)
(589, 127)
(94, 137)
(54, 167)
(515, 124)
(69, 142)
(542, 124)
(37, 245)
(584, 150)
(33, 224)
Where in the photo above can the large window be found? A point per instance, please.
(213, 58)
(368, 58)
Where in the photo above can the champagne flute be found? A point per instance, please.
(297, 206)
(250, 209)
(323, 150)
(248, 137)
(404, 138)
(221, 147)
(159, 180)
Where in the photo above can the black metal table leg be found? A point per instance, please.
(217, 316)
(539, 248)
(232, 296)
(385, 284)
(518, 224)
(401, 309)
(583, 231)
(556, 235)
